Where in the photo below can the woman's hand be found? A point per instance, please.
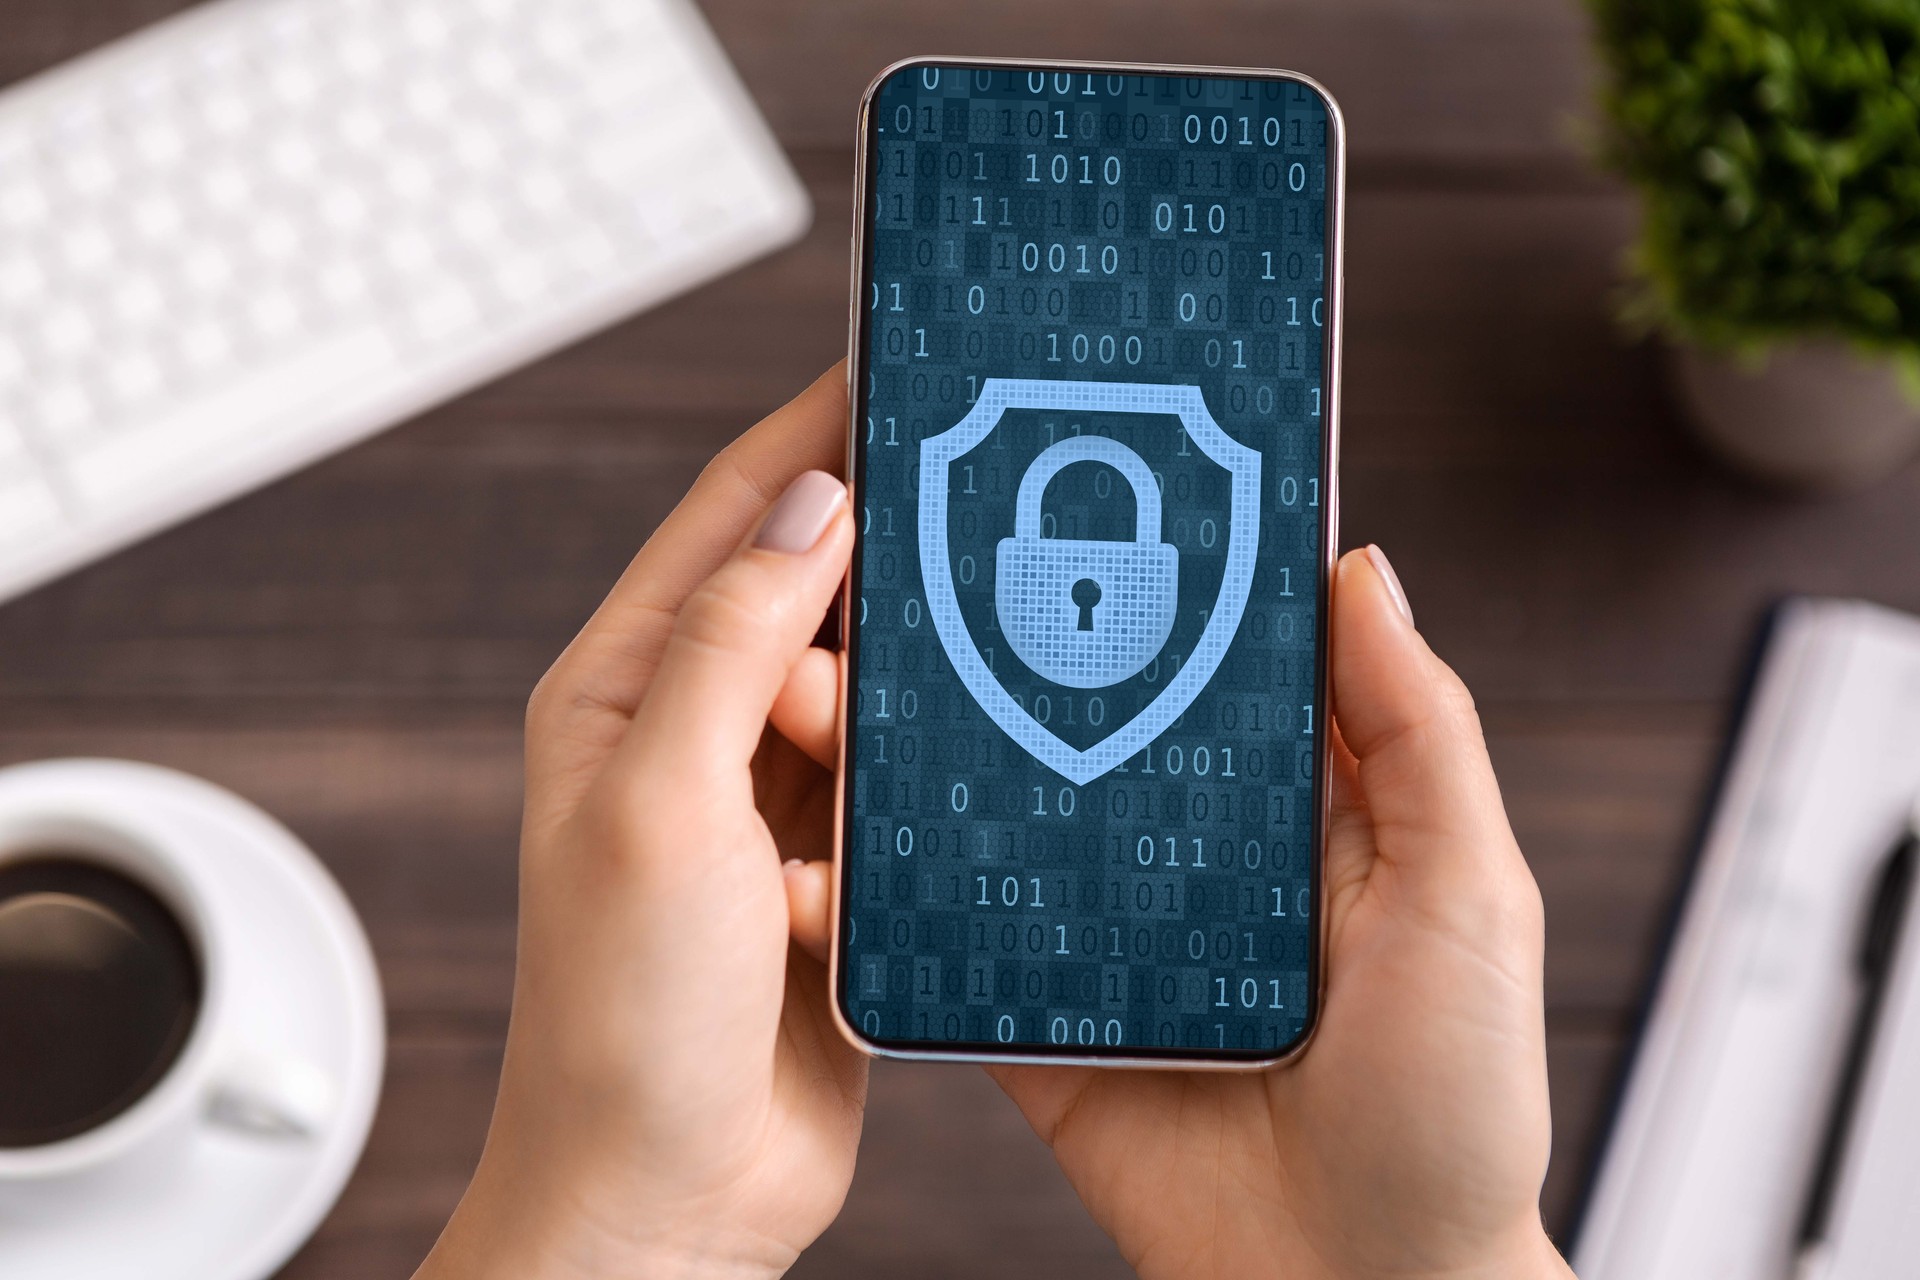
(675, 1099)
(1410, 1141)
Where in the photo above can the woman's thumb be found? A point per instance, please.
(1411, 724)
(739, 635)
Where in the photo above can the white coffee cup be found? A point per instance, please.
(215, 1080)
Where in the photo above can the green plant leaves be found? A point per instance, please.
(1776, 145)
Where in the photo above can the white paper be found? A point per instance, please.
(1707, 1170)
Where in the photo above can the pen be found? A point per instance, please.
(1879, 943)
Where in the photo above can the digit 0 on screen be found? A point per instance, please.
(1093, 353)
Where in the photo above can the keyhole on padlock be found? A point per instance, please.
(1086, 594)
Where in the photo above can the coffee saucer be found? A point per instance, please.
(222, 1204)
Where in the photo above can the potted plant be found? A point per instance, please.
(1776, 148)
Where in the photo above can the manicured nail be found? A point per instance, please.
(1392, 579)
(802, 514)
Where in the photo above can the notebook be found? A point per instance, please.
(1708, 1166)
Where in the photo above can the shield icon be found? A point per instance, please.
(1242, 464)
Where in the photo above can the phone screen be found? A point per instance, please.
(1085, 730)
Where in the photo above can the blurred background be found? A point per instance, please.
(352, 647)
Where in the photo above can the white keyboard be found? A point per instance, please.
(264, 229)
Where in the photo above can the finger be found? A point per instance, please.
(1046, 1095)
(582, 705)
(807, 712)
(1350, 843)
(1348, 800)
(1408, 720)
(733, 647)
(808, 905)
(734, 491)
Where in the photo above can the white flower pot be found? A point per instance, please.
(1814, 417)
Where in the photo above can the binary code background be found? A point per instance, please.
(1046, 225)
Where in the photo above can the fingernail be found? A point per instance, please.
(791, 863)
(1382, 567)
(802, 514)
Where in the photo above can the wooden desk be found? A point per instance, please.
(352, 648)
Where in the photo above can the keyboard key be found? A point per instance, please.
(87, 173)
(275, 238)
(61, 411)
(86, 248)
(362, 127)
(134, 378)
(160, 141)
(448, 310)
(477, 222)
(543, 121)
(205, 346)
(23, 282)
(28, 511)
(227, 188)
(13, 371)
(292, 27)
(493, 68)
(274, 316)
(229, 429)
(522, 279)
(67, 331)
(217, 57)
(158, 218)
(362, 54)
(345, 210)
(411, 179)
(23, 204)
(408, 252)
(138, 301)
(344, 286)
(294, 157)
(226, 113)
(428, 100)
(208, 270)
(295, 84)
(477, 148)
(428, 28)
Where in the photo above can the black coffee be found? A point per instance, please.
(99, 988)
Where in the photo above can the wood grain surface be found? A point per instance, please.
(352, 647)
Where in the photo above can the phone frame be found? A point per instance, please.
(1173, 1059)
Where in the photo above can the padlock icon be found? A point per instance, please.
(1080, 613)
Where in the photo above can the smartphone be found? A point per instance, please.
(1094, 416)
